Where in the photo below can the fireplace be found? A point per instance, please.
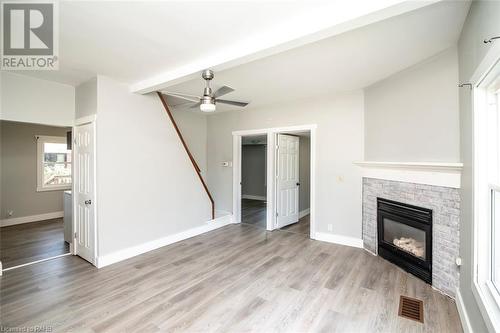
(405, 237)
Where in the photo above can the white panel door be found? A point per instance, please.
(287, 178)
(84, 192)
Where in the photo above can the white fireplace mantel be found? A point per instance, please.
(429, 173)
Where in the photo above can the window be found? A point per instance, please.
(487, 194)
(54, 163)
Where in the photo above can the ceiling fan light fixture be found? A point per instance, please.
(207, 105)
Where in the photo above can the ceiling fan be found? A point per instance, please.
(207, 102)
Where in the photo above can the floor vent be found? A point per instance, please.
(411, 308)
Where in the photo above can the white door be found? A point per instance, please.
(84, 192)
(287, 180)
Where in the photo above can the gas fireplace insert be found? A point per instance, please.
(405, 236)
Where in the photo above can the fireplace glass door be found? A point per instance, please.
(405, 238)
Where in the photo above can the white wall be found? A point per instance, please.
(413, 116)
(193, 126)
(147, 188)
(27, 99)
(482, 22)
(86, 98)
(340, 137)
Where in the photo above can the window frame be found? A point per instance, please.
(40, 141)
(485, 292)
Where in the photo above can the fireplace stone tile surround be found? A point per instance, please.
(445, 204)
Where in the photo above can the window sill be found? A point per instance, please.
(53, 188)
(488, 304)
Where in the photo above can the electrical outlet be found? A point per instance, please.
(10, 213)
(330, 227)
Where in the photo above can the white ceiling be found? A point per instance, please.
(136, 41)
(349, 61)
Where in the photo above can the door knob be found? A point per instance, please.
(88, 202)
(298, 184)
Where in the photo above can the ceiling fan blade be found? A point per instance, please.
(235, 103)
(222, 91)
(197, 105)
(191, 98)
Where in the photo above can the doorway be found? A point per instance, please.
(289, 179)
(36, 166)
(254, 180)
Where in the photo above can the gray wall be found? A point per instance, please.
(253, 170)
(304, 173)
(18, 171)
(413, 116)
(340, 137)
(482, 22)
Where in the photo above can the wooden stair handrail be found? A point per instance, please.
(195, 165)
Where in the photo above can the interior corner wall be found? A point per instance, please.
(340, 139)
(413, 115)
(86, 98)
(253, 170)
(147, 188)
(482, 22)
(18, 163)
(31, 100)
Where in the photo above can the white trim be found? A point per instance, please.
(271, 161)
(85, 120)
(462, 312)
(429, 173)
(133, 251)
(54, 188)
(297, 128)
(339, 239)
(237, 178)
(31, 218)
(253, 197)
(40, 140)
(37, 261)
(304, 212)
(488, 306)
(429, 166)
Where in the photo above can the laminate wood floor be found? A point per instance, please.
(301, 227)
(238, 278)
(253, 212)
(28, 242)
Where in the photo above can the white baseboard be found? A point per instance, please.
(253, 197)
(462, 312)
(133, 251)
(31, 218)
(339, 239)
(304, 212)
